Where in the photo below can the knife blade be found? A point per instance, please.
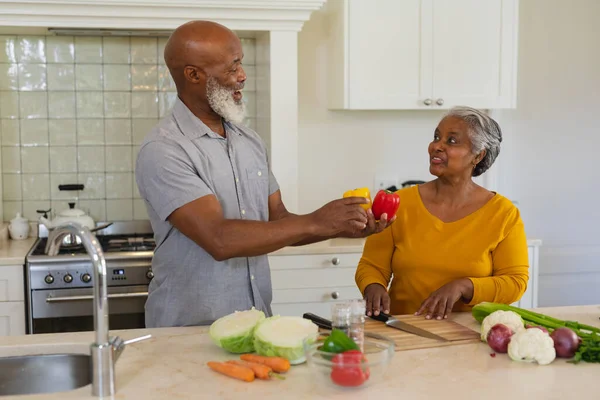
(403, 326)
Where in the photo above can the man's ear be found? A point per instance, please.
(192, 73)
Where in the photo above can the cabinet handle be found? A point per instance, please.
(440, 102)
(427, 102)
(335, 261)
(335, 295)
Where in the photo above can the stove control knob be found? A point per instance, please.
(150, 274)
(86, 278)
(68, 278)
(49, 279)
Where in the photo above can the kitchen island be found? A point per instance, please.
(172, 365)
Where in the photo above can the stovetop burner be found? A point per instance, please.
(109, 243)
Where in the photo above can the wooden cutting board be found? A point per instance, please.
(456, 333)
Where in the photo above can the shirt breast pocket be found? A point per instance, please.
(258, 185)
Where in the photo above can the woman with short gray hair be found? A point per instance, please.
(454, 243)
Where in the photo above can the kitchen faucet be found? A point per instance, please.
(104, 351)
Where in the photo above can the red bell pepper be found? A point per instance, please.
(348, 369)
(385, 202)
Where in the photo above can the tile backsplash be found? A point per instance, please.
(74, 110)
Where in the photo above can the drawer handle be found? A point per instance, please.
(335, 295)
(335, 261)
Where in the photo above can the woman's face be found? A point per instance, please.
(450, 153)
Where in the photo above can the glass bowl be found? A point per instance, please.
(348, 372)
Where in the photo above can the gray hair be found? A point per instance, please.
(485, 135)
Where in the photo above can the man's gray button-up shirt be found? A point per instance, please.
(182, 160)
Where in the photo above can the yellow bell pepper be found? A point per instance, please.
(360, 192)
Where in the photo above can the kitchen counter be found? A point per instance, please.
(13, 252)
(172, 365)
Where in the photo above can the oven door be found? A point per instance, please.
(72, 310)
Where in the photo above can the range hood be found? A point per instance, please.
(274, 24)
(252, 15)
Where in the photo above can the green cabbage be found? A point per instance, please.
(235, 332)
(283, 336)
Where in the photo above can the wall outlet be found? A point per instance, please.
(384, 183)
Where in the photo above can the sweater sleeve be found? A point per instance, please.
(510, 269)
(375, 265)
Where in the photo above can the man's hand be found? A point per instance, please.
(377, 299)
(372, 225)
(439, 303)
(341, 217)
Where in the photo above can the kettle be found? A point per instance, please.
(19, 227)
(70, 214)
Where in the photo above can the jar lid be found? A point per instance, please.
(18, 218)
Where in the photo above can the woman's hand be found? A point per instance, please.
(439, 303)
(377, 298)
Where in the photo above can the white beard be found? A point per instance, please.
(220, 99)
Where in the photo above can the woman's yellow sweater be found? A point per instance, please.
(422, 253)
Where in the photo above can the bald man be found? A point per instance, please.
(214, 204)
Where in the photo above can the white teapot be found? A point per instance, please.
(18, 228)
(71, 214)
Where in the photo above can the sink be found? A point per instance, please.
(47, 373)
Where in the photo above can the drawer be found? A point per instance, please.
(12, 287)
(314, 261)
(316, 295)
(311, 278)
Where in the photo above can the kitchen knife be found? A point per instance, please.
(403, 326)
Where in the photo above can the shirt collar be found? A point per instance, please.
(193, 127)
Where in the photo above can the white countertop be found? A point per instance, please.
(172, 365)
(13, 252)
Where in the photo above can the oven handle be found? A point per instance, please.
(90, 297)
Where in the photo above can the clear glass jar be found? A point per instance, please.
(349, 316)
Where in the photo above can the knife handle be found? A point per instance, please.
(319, 321)
(383, 317)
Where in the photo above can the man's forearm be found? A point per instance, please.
(240, 238)
(310, 239)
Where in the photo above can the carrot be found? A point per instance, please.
(260, 370)
(232, 370)
(278, 364)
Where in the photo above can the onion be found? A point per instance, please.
(536, 326)
(498, 338)
(566, 342)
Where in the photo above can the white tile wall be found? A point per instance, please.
(74, 110)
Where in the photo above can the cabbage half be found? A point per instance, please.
(283, 336)
(235, 332)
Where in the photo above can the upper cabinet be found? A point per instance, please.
(422, 54)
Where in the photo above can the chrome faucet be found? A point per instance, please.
(104, 351)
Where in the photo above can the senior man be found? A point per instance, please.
(214, 204)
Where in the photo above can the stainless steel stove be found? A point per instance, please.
(60, 288)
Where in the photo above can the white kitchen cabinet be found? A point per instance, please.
(12, 300)
(12, 318)
(422, 54)
(530, 297)
(312, 282)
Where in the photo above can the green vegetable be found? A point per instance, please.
(338, 342)
(235, 332)
(482, 310)
(283, 336)
(589, 349)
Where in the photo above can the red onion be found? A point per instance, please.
(498, 338)
(566, 342)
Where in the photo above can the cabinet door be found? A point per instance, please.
(12, 318)
(473, 49)
(376, 55)
(12, 287)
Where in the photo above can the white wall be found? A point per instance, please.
(548, 140)
(553, 144)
